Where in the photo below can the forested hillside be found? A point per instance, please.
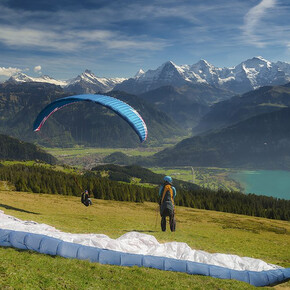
(13, 149)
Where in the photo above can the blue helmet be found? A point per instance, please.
(168, 179)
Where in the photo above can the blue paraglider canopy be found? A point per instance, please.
(124, 110)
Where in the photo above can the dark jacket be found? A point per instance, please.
(167, 193)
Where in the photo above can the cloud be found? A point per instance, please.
(70, 30)
(37, 69)
(140, 25)
(252, 28)
(74, 40)
(9, 71)
(33, 38)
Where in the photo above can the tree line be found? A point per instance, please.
(38, 179)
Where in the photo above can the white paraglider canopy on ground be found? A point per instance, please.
(139, 243)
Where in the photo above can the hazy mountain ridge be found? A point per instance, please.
(261, 142)
(239, 108)
(186, 104)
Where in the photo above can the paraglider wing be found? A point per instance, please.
(125, 111)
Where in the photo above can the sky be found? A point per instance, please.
(62, 38)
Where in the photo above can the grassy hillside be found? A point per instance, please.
(204, 230)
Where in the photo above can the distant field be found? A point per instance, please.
(210, 231)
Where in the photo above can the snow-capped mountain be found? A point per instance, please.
(167, 74)
(87, 82)
(139, 73)
(23, 78)
(248, 75)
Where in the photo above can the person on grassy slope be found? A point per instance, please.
(167, 194)
(86, 198)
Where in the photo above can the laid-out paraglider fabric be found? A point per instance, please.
(136, 249)
(119, 107)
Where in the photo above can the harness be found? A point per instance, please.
(85, 199)
(167, 188)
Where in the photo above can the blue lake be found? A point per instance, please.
(274, 183)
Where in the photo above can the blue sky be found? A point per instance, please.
(62, 38)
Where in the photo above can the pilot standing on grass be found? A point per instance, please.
(167, 194)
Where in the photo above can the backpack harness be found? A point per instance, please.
(167, 188)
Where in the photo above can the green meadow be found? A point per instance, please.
(210, 231)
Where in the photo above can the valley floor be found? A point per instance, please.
(211, 177)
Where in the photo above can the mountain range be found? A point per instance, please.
(248, 75)
(260, 142)
(185, 92)
(84, 83)
(239, 115)
(81, 123)
(248, 131)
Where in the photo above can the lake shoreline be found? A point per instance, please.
(274, 183)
